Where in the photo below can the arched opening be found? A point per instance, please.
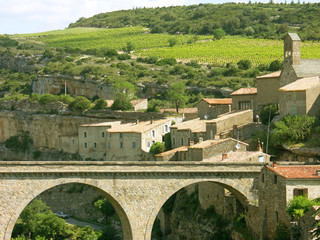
(82, 204)
(201, 210)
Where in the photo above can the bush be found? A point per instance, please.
(100, 104)
(19, 143)
(276, 65)
(172, 41)
(48, 98)
(244, 64)
(268, 110)
(292, 129)
(166, 61)
(122, 103)
(167, 141)
(219, 33)
(80, 103)
(156, 148)
(299, 206)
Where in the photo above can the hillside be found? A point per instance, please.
(270, 21)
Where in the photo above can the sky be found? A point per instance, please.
(32, 16)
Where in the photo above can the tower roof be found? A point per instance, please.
(294, 36)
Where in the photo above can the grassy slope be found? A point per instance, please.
(205, 50)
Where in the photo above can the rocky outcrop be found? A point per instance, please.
(19, 63)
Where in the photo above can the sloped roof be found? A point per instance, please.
(301, 84)
(218, 101)
(245, 91)
(103, 124)
(297, 172)
(194, 125)
(133, 102)
(209, 143)
(138, 127)
(270, 75)
(179, 149)
(294, 36)
(307, 68)
(181, 110)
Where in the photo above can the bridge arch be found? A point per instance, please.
(240, 191)
(126, 226)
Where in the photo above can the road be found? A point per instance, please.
(82, 223)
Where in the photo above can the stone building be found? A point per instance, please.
(278, 185)
(209, 108)
(92, 139)
(267, 89)
(128, 142)
(244, 99)
(182, 134)
(219, 150)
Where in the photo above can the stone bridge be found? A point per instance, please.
(137, 190)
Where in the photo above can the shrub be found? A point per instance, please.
(167, 61)
(156, 148)
(292, 129)
(244, 64)
(219, 33)
(67, 99)
(268, 110)
(48, 98)
(100, 104)
(299, 206)
(275, 65)
(80, 103)
(19, 143)
(122, 103)
(167, 141)
(172, 41)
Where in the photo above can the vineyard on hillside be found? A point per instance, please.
(188, 47)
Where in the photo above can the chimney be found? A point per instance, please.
(137, 121)
(274, 164)
(200, 139)
(224, 156)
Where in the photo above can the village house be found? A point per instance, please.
(278, 185)
(130, 141)
(219, 150)
(267, 89)
(182, 134)
(92, 139)
(244, 99)
(209, 108)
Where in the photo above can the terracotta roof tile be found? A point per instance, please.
(245, 91)
(218, 101)
(297, 172)
(182, 110)
(270, 75)
(179, 149)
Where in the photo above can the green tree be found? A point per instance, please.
(122, 102)
(177, 95)
(105, 207)
(167, 141)
(156, 148)
(275, 65)
(38, 220)
(268, 111)
(292, 129)
(129, 47)
(80, 103)
(244, 64)
(100, 104)
(299, 205)
(219, 33)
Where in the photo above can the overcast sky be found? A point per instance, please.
(30, 16)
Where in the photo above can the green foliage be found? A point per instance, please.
(167, 141)
(282, 232)
(172, 41)
(292, 129)
(19, 143)
(244, 64)
(48, 98)
(219, 33)
(109, 233)
(316, 231)
(268, 111)
(105, 207)
(100, 104)
(299, 205)
(80, 104)
(275, 65)
(38, 220)
(167, 61)
(129, 47)
(177, 95)
(156, 148)
(6, 41)
(122, 103)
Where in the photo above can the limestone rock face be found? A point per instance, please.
(20, 63)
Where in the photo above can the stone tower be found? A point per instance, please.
(292, 48)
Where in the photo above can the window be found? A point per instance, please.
(95, 145)
(173, 141)
(294, 96)
(148, 144)
(275, 179)
(185, 156)
(120, 135)
(109, 145)
(300, 192)
(85, 145)
(262, 178)
(102, 134)
(133, 144)
(121, 144)
(294, 110)
(166, 128)
(153, 133)
(244, 105)
(72, 140)
(277, 216)
(181, 141)
(85, 134)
